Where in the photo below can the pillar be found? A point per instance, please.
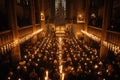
(79, 7)
(39, 15)
(105, 24)
(43, 16)
(80, 15)
(32, 7)
(86, 15)
(71, 10)
(86, 19)
(68, 10)
(16, 56)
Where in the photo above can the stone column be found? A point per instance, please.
(105, 24)
(32, 7)
(68, 10)
(79, 7)
(16, 56)
(71, 10)
(43, 16)
(80, 14)
(86, 19)
(86, 14)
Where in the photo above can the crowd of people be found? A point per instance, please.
(80, 61)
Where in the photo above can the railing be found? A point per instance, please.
(113, 37)
(6, 37)
(38, 26)
(25, 31)
(112, 40)
(95, 31)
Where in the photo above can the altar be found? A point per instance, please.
(60, 31)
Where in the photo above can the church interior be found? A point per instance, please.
(59, 39)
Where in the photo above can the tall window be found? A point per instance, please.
(57, 4)
(60, 11)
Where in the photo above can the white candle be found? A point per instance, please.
(2, 50)
(61, 67)
(60, 39)
(46, 78)
(47, 74)
(63, 75)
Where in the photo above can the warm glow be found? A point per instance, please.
(25, 56)
(112, 47)
(42, 16)
(109, 45)
(60, 39)
(63, 75)
(18, 41)
(46, 78)
(47, 74)
(9, 78)
(60, 68)
(96, 66)
(15, 42)
(80, 18)
(19, 79)
(95, 38)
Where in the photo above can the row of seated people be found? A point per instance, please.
(105, 68)
(114, 59)
(80, 62)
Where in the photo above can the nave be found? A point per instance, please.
(61, 58)
(37, 40)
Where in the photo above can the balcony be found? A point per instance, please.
(25, 33)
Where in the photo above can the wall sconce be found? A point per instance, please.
(42, 16)
(80, 19)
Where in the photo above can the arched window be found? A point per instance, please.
(60, 11)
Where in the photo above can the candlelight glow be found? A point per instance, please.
(18, 41)
(60, 39)
(9, 78)
(63, 75)
(109, 45)
(46, 73)
(95, 38)
(61, 68)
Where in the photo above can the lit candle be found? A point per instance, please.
(25, 56)
(9, 78)
(47, 74)
(96, 66)
(61, 67)
(46, 78)
(60, 38)
(2, 50)
(63, 75)
(19, 79)
(5, 49)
